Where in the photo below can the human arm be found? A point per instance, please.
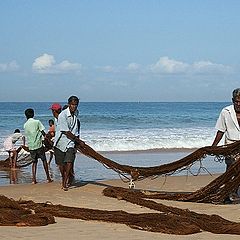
(24, 140)
(74, 138)
(43, 133)
(218, 138)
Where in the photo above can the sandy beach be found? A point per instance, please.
(89, 195)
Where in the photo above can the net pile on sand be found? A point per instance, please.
(13, 214)
(170, 220)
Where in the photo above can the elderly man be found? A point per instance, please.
(228, 125)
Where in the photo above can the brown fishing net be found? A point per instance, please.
(215, 192)
(138, 173)
(12, 213)
(210, 223)
(170, 220)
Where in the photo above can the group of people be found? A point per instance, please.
(64, 133)
(67, 131)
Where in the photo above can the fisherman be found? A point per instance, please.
(228, 125)
(10, 146)
(34, 132)
(65, 139)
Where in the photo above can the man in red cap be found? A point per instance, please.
(56, 110)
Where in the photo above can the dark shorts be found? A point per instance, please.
(64, 157)
(38, 153)
(229, 160)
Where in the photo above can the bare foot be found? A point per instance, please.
(65, 188)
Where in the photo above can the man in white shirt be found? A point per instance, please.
(65, 138)
(228, 124)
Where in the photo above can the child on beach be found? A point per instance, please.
(34, 132)
(10, 147)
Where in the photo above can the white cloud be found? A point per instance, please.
(43, 62)
(209, 67)
(107, 69)
(170, 66)
(165, 65)
(47, 64)
(133, 67)
(9, 67)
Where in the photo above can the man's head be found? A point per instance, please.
(73, 102)
(236, 99)
(56, 109)
(29, 113)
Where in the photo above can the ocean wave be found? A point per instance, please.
(144, 139)
(149, 139)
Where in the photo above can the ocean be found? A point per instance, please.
(123, 127)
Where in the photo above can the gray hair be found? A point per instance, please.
(236, 93)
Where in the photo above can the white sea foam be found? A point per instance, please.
(147, 139)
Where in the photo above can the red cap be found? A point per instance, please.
(56, 106)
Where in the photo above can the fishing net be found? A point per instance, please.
(170, 220)
(13, 214)
(215, 192)
(139, 173)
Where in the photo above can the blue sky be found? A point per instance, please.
(119, 50)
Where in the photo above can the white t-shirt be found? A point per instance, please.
(10, 141)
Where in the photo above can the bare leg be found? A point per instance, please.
(62, 171)
(71, 176)
(34, 170)
(10, 159)
(68, 168)
(50, 158)
(13, 176)
(45, 165)
(14, 159)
